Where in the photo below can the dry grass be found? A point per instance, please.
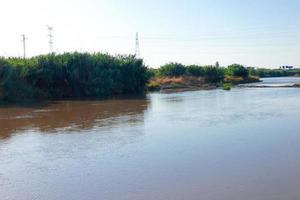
(233, 79)
(169, 80)
(190, 82)
(183, 80)
(239, 79)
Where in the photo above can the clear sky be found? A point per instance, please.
(251, 32)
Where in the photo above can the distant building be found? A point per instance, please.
(286, 67)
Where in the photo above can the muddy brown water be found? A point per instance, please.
(208, 145)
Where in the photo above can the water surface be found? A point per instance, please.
(208, 145)
(278, 82)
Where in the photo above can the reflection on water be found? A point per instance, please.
(208, 145)
(70, 115)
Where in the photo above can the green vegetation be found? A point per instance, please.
(172, 70)
(195, 76)
(211, 73)
(153, 86)
(216, 73)
(227, 86)
(263, 72)
(237, 70)
(85, 75)
(71, 75)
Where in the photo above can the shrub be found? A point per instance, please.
(153, 86)
(71, 75)
(227, 86)
(214, 74)
(194, 70)
(172, 69)
(237, 70)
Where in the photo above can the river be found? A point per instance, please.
(208, 145)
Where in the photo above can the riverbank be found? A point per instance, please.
(102, 76)
(270, 86)
(191, 83)
(278, 82)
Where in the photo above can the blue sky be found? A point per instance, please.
(255, 33)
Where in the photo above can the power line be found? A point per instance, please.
(50, 35)
(137, 46)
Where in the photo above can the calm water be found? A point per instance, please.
(281, 81)
(208, 145)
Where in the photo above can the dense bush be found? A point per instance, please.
(214, 74)
(172, 69)
(195, 70)
(71, 75)
(237, 70)
(12, 83)
(152, 73)
(210, 73)
(263, 72)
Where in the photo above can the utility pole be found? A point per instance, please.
(50, 35)
(24, 45)
(137, 46)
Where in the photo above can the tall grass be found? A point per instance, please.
(71, 75)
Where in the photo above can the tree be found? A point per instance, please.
(172, 69)
(237, 70)
(195, 70)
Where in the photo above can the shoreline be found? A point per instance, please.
(187, 89)
(269, 86)
(165, 88)
(191, 83)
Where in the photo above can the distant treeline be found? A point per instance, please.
(71, 75)
(217, 73)
(263, 72)
(206, 76)
(213, 73)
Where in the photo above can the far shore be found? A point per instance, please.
(190, 83)
(184, 84)
(270, 86)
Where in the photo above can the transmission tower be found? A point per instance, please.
(50, 35)
(24, 45)
(137, 46)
